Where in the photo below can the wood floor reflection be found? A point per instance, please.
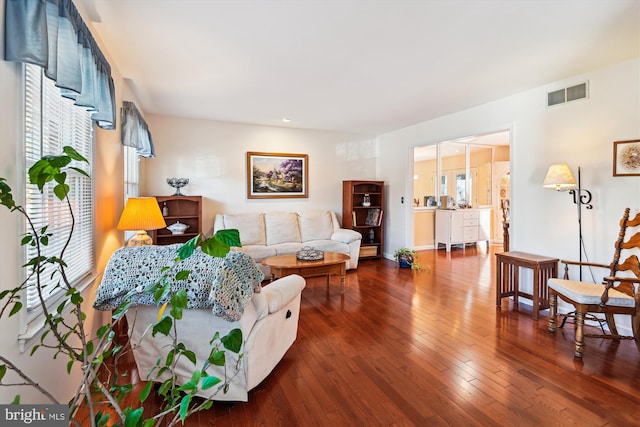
(429, 348)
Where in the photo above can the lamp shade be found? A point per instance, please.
(559, 177)
(141, 213)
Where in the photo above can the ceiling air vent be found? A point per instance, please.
(568, 94)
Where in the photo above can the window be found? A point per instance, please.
(131, 173)
(52, 122)
(131, 179)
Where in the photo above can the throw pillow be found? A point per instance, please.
(281, 227)
(250, 226)
(315, 225)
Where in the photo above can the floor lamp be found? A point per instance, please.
(560, 178)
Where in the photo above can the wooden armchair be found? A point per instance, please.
(617, 294)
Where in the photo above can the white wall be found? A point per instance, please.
(213, 156)
(580, 133)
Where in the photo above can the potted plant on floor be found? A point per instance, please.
(406, 258)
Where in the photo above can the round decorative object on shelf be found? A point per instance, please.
(177, 183)
(307, 253)
(366, 202)
(178, 228)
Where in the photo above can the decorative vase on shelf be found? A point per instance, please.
(366, 201)
(177, 183)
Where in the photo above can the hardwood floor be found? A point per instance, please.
(430, 348)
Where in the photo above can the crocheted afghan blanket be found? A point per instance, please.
(225, 285)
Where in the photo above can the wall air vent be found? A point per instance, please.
(556, 97)
(571, 93)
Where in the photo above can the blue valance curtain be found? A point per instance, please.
(52, 34)
(135, 131)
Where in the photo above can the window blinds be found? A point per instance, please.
(52, 122)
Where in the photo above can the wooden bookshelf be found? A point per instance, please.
(367, 220)
(187, 210)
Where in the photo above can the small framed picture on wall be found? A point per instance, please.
(626, 158)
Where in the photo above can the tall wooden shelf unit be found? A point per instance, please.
(367, 220)
(187, 210)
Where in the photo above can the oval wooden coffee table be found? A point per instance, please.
(284, 265)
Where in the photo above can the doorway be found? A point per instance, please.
(469, 171)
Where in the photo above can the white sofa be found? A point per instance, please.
(277, 233)
(269, 327)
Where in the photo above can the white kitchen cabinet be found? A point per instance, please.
(462, 226)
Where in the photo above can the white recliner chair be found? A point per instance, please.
(223, 294)
(269, 327)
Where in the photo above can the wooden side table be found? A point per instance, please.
(507, 278)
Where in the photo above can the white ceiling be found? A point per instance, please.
(352, 65)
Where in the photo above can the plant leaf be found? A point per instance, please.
(217, 358)
(186, 250)
(233, 340)
(230, 237)
(89, 347)
(61, 191)
(215, 248)
(80, 171)
(133, 418)
(184, 407)
(146, 391)
(190, 355)
(16, 308)
(103, 330)
(162, 292)
(60, 178)
(187, 386)
(195, 378)
(208, 382)
(163, 326)
(162, 309)
(73, 154)
(183, 274)
(101, 419)
(180, 299)
(169, 360)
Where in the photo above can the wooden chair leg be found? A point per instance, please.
(553, 303)
(611, 322)
(635, 325)
(579, 334)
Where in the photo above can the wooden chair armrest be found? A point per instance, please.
(585, 264)
(581, 264)
(626, 286)
(621, 279)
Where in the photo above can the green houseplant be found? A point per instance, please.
(406, 258)
(65, 332)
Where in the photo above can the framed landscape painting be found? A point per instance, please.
(277, 175)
